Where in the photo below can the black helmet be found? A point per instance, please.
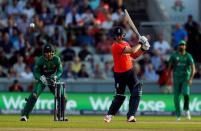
(118, 31)
(48, 51)
(48, 48)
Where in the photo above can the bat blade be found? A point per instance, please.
(132, 25)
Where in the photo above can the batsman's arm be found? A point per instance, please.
(132, 50)
(139, 49)
(137, 54)
(59, 68)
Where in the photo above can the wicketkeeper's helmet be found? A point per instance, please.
(48, 51)
(48, 48)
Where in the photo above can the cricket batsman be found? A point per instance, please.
(124, 74)
(47, 70)
(183, 67)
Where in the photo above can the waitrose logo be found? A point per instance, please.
(95, 102)
(41, 104)
(104, 103)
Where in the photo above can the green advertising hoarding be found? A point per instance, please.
(96, 102)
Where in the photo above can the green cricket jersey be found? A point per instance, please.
(181, 65)
(48, 67)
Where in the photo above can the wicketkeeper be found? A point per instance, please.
(48, 69)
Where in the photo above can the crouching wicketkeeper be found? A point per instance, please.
(47, 70)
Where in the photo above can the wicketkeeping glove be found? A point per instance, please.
(52, 80)
(53, 77)
(43, 79)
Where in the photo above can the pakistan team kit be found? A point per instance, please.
(47, 72)
(181, 65)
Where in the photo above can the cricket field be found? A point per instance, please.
(96, 123)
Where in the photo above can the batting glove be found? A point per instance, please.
(144, 42)
(43, 79)
(146, 46)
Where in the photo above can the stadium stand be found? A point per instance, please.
(25, 26)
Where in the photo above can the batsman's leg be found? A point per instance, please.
(136, 93)
(135, 88)
(116, 104)
(119, 98)
(114, 107)
(31, 101)
(120, 86)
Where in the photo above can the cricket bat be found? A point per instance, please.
(131, 23)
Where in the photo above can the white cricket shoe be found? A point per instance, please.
(23, 118)
(188, 115)
(108, 118)
(131, 119)
(178, 118)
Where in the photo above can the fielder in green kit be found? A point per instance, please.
(183, 67)
(48, 69)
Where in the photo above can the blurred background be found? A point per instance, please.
(80, 31)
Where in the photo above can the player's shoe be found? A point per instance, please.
(108, 118)
(178, 118)
(66, 119)
(188, 115)
(23, 118)
(131, 119)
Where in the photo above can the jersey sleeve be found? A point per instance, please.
(171, 60)
(137, 54)
(59, 68)
(190, 59)
(37, 69)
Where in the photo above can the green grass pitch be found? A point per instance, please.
(96, 123)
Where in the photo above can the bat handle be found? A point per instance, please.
(138, 36)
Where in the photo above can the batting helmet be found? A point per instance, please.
(118, 31)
